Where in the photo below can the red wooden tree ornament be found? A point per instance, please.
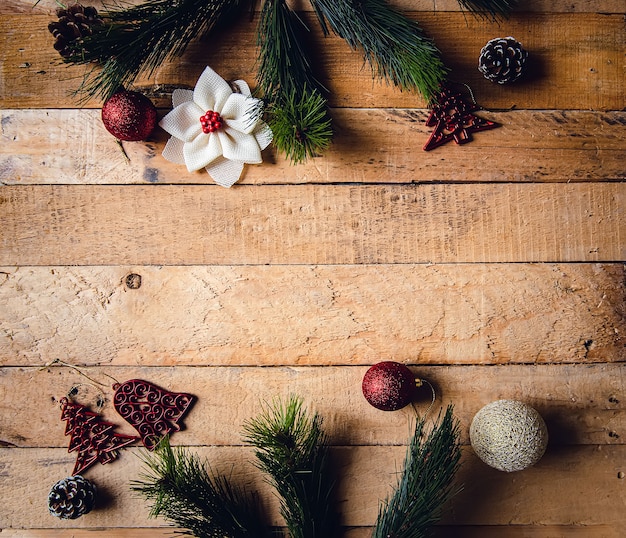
(91, 436)
(452, 119)
(152, 411)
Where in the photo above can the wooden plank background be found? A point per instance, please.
(494, 270)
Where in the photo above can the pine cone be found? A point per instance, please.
(72, 497)
(75, 22)
(502, 60)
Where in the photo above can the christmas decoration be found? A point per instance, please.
(508, 435)
(492, 9)
(137, 39)
(426, 482)
(152, 411)
(292, 449)
(74, 23)
(187, 492)
(502, 60)
(297, 108)
(389, 386)
(72, 497)
(91, 436)
(452, 119)
(129, 116)
(214, 128)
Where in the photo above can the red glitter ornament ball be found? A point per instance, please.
(389, 386)
(129, 116)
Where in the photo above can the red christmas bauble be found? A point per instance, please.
(389, 386)
(129, 116)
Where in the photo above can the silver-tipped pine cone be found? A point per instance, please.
(502, 60)
(75, 22)
(72, 497)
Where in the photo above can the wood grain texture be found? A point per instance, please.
(570, 485)
(307, 315)
(581, 404)
(370, 146)
(577, 63)
(556, 6)
(301, 277)
(337, 224)
(440, 531)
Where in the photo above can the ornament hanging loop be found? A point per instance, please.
(420, 383)
(59, 362)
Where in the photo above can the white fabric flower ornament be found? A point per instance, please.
(215, 128)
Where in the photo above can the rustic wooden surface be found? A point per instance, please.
(494, 270)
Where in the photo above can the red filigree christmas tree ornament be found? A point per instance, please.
(91, 436)
(452, 119)
(151, 410)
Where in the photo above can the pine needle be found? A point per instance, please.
(393, 45)
(184, 490)
(291, 448)
(491, 9)
(301, 125)
(137, 40)
(426, 482)
(297, 110)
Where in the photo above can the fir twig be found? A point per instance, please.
(297, 109)
(291, 448)
(393, 45)
(301, 125)
(426, 482)
(185, 491)
(492, 9)
(138, 39)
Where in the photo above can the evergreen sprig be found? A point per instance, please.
(297, 109)
(492, 9)
(204, 504)
(426, 483)
(291, 448)
(138, 39)
(394, 45)
(301, 125)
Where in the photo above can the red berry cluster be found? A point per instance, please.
(211, 122)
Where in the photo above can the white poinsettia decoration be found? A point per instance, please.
(215, 128)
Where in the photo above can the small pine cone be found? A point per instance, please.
(75, 22)
(72, 497)
(502, 60)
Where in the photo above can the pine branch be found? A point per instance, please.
(492, 9)
(203, 504)
(291, 448)
(297, 110)
(301, 125)
(393, 45)
(426, 483)
(139, 39)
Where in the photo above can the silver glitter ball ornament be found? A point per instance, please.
(508, 435)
